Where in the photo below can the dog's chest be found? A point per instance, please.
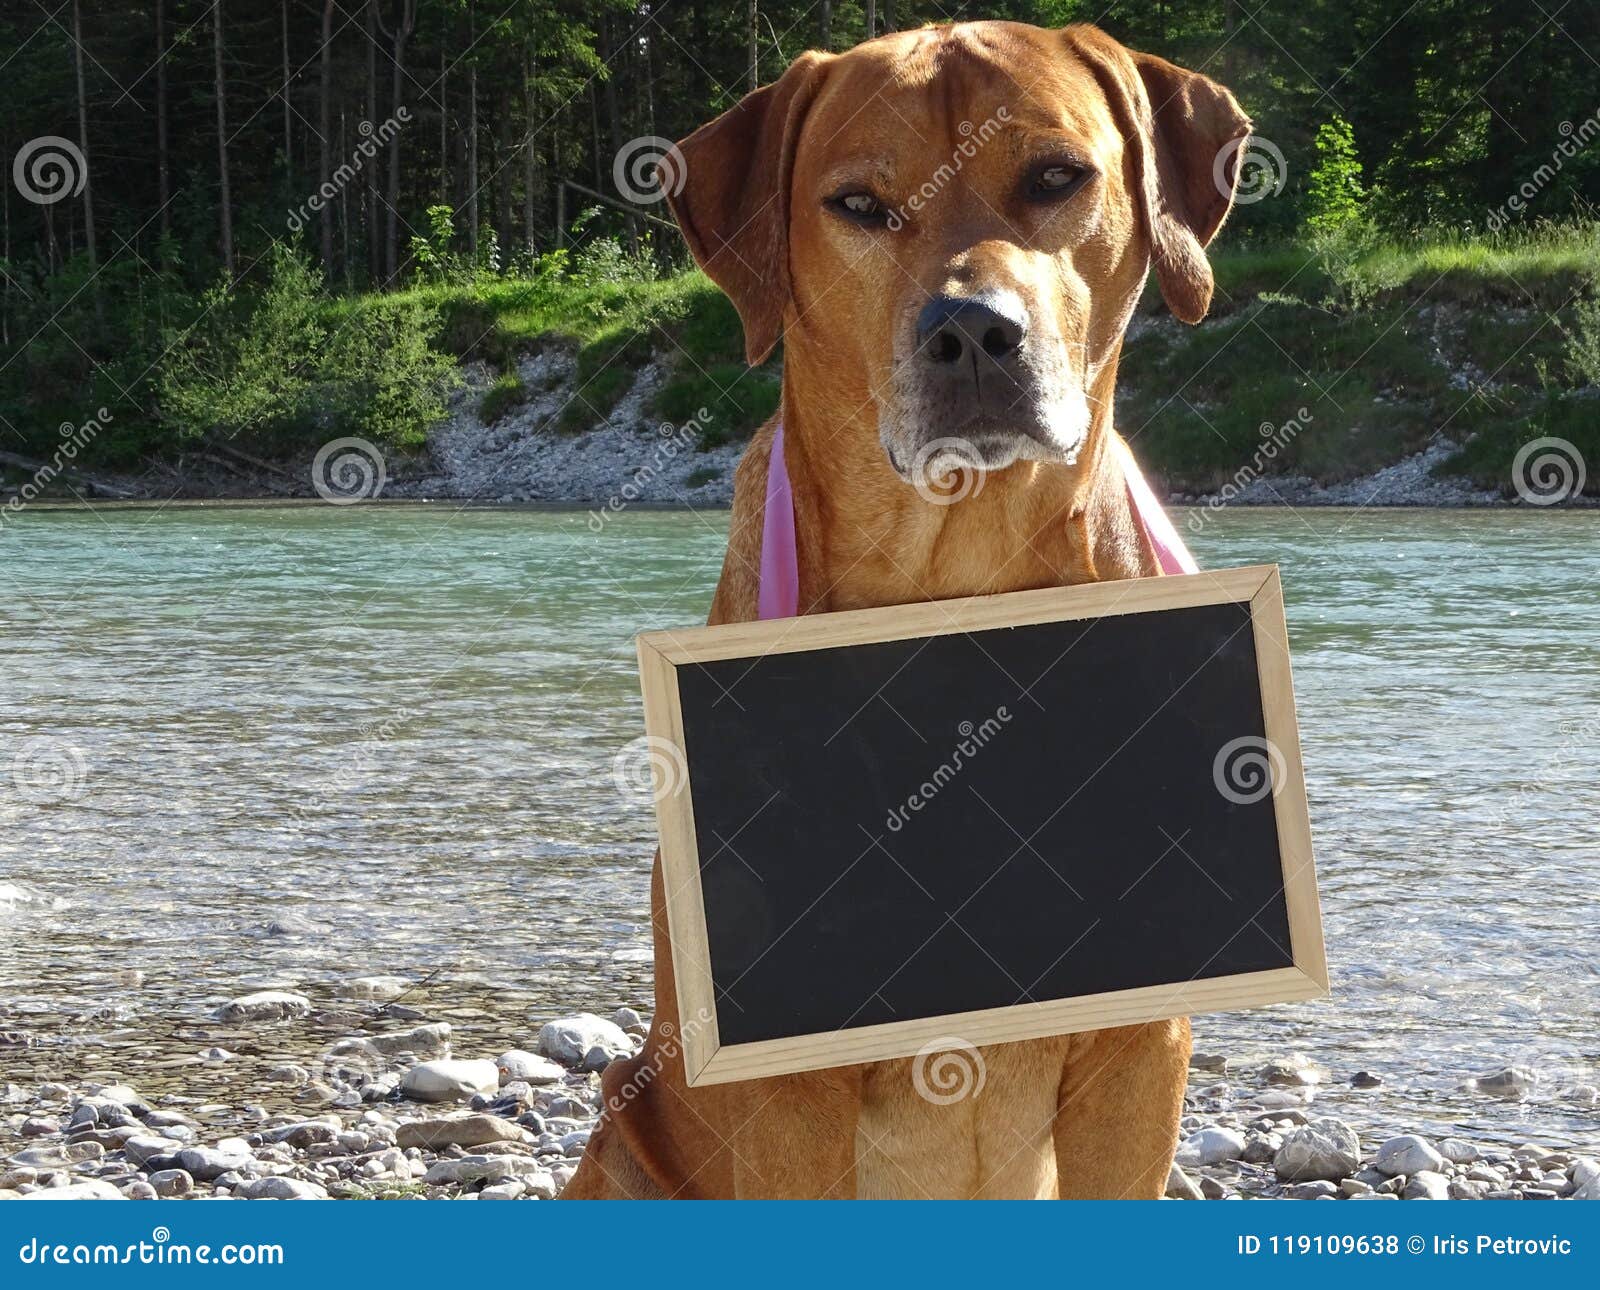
(965, 1122)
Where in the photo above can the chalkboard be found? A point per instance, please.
(988, 819)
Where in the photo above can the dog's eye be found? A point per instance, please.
(1056, 180)
(861, 207)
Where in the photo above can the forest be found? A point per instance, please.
(259, 222)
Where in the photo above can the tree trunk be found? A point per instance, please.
(83, 133)
(825, 25)
(472, 135)
(344, 214)
(444, 126)
(226, 198)
(872, 18)
(325, 128)
(754, 70)
(163, 162)
(888, 15)
(404, 25)
(288, 154)
(530, 154)
(369, 172)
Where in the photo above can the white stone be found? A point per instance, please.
(1458, 1152)
(1211, 1146)
(1324, 1149)
(1586, 1174)
(449, 1080)
(1181, 1187)
(264, 1005)
(528, 1067)
(277, 1187)
(568, 1039)
(1425, 1184)
(1407, 1154)
(380, 989)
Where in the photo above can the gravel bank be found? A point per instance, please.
(391, 1111)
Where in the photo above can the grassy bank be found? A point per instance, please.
(1368, 348)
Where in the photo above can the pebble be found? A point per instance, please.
(458, 1131)
(1211, 1146)
(449, 1080)
(207, 1164)
(1407, 1155)
(264, 1005)
(529, 1068)
(569, 1040)
(1324, 1149)
(277, 1187)
(1509, 1082)
(1426, 1185)
(88, 1189)
(379, 989)
(172, 1182)
(1181, 1187)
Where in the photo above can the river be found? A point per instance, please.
(286, 746)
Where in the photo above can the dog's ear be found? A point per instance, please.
(731, 198)
(1186, 134)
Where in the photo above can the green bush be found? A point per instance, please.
(285, 364)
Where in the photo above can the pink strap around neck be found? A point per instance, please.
(779, 595)
(780, 569)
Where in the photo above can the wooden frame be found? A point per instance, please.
(708, 1061)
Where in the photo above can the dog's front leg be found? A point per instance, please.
(797, 1136)
(1117, 1113)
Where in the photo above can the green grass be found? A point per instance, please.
(1383, 341)
(616, 328)
(506, 393)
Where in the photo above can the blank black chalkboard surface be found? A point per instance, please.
(985, 820)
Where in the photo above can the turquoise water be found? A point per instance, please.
(304, 744)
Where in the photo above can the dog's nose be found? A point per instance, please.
(951, 328)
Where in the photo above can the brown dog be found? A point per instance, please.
(949, 228)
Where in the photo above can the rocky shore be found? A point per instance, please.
(390, 1111)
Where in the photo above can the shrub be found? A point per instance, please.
(1334, 195)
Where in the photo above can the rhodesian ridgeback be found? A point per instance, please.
(949, 229)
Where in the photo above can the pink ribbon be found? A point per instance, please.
(779, 595)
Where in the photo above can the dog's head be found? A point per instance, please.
(955, 223)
